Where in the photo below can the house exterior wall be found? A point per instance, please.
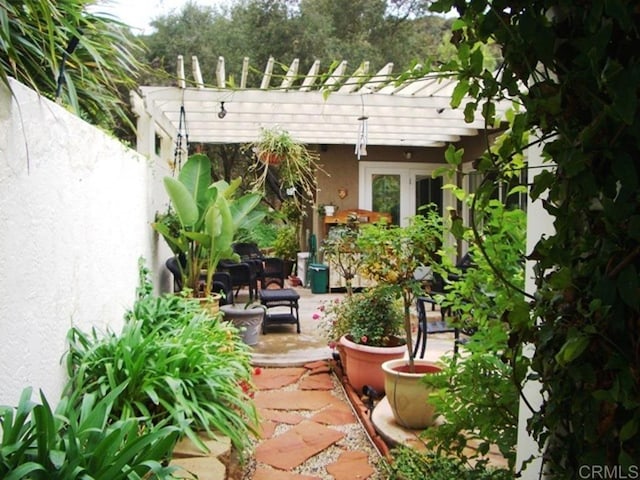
(73, 208)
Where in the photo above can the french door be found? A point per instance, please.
(399, 189)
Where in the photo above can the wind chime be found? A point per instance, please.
(361, 142)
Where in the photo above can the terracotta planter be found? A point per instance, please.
(407, 394)
(363, 364)
(211, 304)
(247, 320)
(270, 158)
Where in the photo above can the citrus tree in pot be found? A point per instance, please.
(366, 328)
(209, 215)
(390, 256)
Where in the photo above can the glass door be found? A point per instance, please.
(399, 189)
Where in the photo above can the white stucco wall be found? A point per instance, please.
(75, 207)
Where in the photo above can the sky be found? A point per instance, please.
(138, 13)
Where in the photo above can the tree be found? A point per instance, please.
(65, 52)
(578, 63)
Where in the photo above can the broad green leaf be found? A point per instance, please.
(572, 349)
(460, 90)
(183, 201)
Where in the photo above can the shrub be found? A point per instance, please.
(177, 364)
(80, 440)
(409, 464)
(372, 317)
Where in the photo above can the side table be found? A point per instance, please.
(280, 297)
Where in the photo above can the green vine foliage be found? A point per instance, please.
(580, 66)
(478, 396)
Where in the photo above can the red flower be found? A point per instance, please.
(363, 339)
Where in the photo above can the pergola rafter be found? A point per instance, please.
(314, 108)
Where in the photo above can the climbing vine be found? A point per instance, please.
(572, 70)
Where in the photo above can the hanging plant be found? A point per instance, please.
(295, 165)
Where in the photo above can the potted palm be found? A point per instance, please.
(209, 215)
(391, 256)
(366, 328)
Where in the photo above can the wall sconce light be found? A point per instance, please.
(408, 154)
(342, 193)
(222, 113)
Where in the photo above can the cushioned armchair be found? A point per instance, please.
(269, 270)
(242, 274)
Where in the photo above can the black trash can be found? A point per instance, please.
(319, 278)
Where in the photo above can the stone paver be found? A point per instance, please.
(273, 378)
(335, 414)
(320, 381)
(290, 399)
(280, 416)
(292, 448)
(262, 473)
(351, 466)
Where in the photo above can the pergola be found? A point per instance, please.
(315, 108)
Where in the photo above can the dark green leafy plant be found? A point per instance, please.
(286, 244)
(178, 364)
(372, 317)
(80, 440)
(478, 394)
(410, 464)
(581, 100)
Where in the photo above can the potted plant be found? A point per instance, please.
(329, 209)
(293, 163)
(208, 215)
(340, 250)
(391, 255)
(287, 246)
(366, 327)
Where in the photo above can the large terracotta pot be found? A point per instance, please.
(363, 364)
(407, 394)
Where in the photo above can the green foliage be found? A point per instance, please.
(371, 317)
(410, 464)
(377, 31)
(294, 164)
(177, 365)
(286, 244)
(340, 249)
(209, 215)
(391, 254)
(34, 36)
(80, 440)
(581, 101)
(478, 394)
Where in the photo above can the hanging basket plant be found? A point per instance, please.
(295, 165)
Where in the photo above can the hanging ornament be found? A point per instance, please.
(361, 143)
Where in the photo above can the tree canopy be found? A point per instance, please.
(377, 31)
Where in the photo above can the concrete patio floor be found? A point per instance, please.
(281, 346)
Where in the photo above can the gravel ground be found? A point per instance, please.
(355, 438)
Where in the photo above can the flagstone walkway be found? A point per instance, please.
(309, 430)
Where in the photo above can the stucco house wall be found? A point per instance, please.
(75, 206)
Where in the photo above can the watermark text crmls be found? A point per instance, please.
(609, 472)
